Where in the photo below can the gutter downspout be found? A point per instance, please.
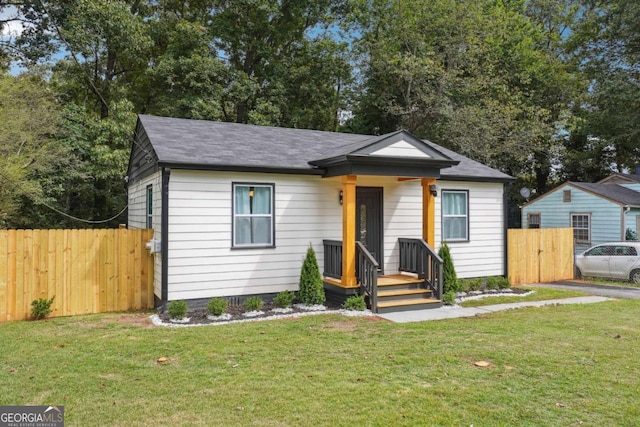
(623, 220)
(505, 218)
(164, 238)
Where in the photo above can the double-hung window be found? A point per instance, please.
(581, 224)
(253, 207)
(534, 220)
(455, 215)
(149, 216)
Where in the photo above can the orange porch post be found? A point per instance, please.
(349, 231)
(428, 212)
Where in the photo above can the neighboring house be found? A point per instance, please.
(235, 207)
(598, 212)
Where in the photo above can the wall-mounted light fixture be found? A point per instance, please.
(433, 189)
(340, 194)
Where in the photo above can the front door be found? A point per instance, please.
(369, 220)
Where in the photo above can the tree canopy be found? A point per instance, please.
(545, 90)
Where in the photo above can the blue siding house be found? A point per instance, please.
(598, 212)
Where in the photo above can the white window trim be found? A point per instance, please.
(587, 214)
(235, 215)
(444, 239)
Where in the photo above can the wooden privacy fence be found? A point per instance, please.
(540, 255)
(88, 271)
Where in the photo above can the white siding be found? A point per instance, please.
(138, 217)
(400, 149)
(483, 254)
(202, 263)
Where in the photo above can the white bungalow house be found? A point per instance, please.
(235, 207)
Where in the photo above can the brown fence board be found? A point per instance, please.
(88, 271)
(540, 255)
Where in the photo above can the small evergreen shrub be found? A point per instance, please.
(630, 235)
(503, 282)
(492, 283)
(311, 288)
(217, 306)
(177, 309)
(463, 285)
(253, 303)
(449, 276)
(284, 299)
(41, 307)
(355, 302)
(449, 298)
(475, 284)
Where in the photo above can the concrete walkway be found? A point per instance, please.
(457, 311)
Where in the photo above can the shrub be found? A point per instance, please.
(503, 282)
(475, 284)
(311, 288)
(253, 303)
(355, 302)
(177, 309)
(464, 285)
(41, 307)
(449, 298)
(217, 306)
(284, 299)
(492, 282)
(449, 276)
(630, 235)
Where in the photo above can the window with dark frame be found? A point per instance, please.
(455, 215)
(149, 216)
(253, 222)
(581, 224)
(534, 220)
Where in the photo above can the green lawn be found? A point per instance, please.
(612, 282)
(550, 366)
(539, 294)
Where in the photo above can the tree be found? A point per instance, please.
(28, 152)
(476, 77)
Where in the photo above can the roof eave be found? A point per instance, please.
(241, 168)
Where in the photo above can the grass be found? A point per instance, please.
(556, 365)
(612, 282)
(539, 294)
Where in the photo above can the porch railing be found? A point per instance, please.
(417, 257)
(367, 274)
(332, 258)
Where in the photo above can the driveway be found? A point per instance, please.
(594, 289)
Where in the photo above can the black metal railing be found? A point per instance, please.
(417, 257)
(367, 274)
(332, 258)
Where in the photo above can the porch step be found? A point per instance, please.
(401, 292)
(408, 304)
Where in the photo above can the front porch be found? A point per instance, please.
(417, 285)
(356, 265)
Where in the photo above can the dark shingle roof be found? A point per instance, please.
(614, 192)
(209, 144)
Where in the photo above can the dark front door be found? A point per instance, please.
(369, 220)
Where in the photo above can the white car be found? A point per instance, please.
(617, 260)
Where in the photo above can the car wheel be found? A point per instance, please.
(635, 277)
(578, 273)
